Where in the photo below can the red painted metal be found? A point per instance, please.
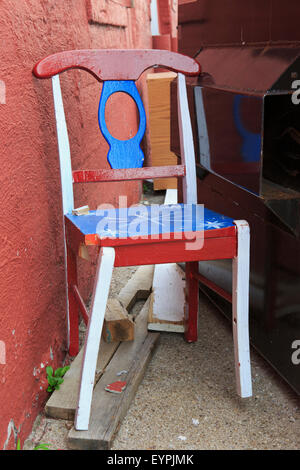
(115, 64)
(81, 304)
(101, 175)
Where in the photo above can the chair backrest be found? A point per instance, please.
(118, 70)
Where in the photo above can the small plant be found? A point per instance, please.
(55, 379)
(42, 447)
(38, 447)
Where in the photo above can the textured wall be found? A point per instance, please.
(32, 315)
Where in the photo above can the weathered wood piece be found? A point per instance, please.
(83, 210)
(117, 324)
(108, 409)
(138, 287)
(158, 85)
(62, 403)
(166, 312)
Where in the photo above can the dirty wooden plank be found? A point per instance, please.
(138, 287)
(117, 324)
(62, 403)
(108, 409)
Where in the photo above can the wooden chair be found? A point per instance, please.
(191, 235)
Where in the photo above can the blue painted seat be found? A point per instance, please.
(142, 220)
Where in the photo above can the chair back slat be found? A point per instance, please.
(103, 175)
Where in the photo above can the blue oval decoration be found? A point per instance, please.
(122, 153)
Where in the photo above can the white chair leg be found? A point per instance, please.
(240, 310)
(93, 336)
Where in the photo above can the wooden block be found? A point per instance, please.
(83, 252)
(159, 124)
(108, 409)
(138, 287)
(62, 403)
(117, 324)
(83, 210)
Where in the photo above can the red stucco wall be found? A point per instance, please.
(32, 315)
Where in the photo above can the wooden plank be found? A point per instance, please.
(159, 123)
(117, 324)
(62, 403)
(166, 312)
(108, 409)
(138, 287)
(240, 310)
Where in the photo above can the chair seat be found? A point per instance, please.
(157, 221)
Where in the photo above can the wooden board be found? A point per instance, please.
(62, 403)
(108, 409)
(159, 123)
(117, 325)
(138, 287)
(166, 312)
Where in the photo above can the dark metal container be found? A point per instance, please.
(246, 119)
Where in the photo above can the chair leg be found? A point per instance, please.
(192, 302)
(93, 335)
(72, 307)
(240, 310)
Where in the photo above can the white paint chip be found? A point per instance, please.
(2, 352)
(2, 92)
(182, 438)
(195, 421)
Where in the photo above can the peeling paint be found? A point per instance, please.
(11, 428)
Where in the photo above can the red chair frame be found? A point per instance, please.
(230, 242)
